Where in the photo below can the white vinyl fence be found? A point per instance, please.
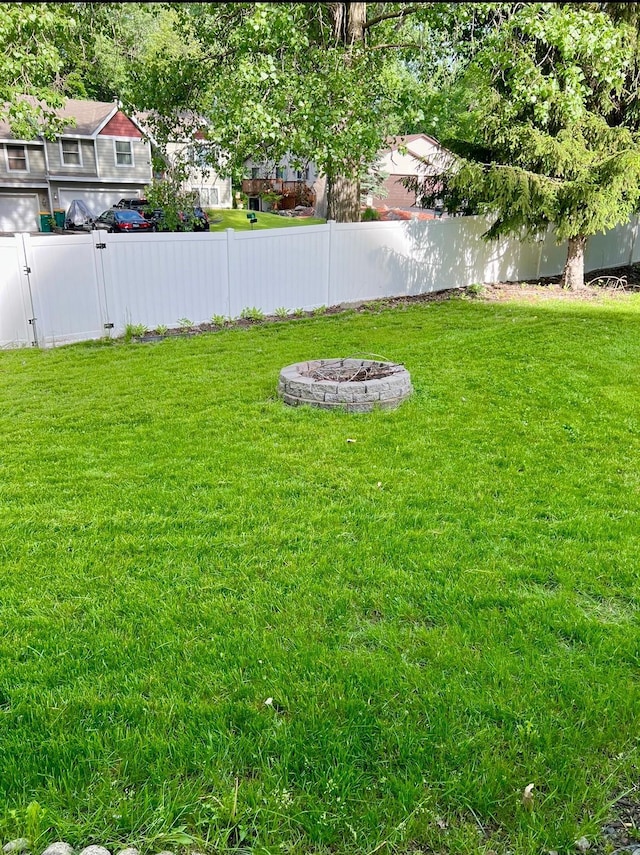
(56, 289)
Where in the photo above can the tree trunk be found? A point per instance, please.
(343, 199)
(343, 191)
(573, 273)
(348, 21)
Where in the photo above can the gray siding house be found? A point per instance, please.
(100, 158)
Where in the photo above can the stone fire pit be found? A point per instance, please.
(355, 385)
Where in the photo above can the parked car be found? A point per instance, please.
(193, 220)
(116, 220)
(142, 207)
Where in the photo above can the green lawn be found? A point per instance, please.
(237, 219)
(441, 602)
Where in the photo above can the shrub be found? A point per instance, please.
(370, 215)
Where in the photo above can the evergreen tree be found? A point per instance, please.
(538, 135)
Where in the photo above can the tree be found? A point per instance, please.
(326, 82)
(538, 135)
(30, 63)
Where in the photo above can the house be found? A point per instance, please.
(405, 163)
(266, 180)
(190, 149)
(99, 159)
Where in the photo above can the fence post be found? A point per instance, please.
(230, 246)
(331, 224)
(99, 239)
(27, 280)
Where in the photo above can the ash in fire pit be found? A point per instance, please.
(342, 374)
(356, 385)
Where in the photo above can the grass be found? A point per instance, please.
(237, 219)
(289, 630)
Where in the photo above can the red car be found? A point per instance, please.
(124, 221)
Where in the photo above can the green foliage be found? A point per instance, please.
(320, 310)
(370, 215)
(218, 320)
(252, 313)
(476, 290)
(167, 194)
(281, 312)
(536, 139)
(162, 329)
(185, 323)
(132, 331)
(31, 38)
(298, 313)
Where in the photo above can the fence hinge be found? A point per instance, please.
(108, 326)
(32, 320)
(101, 246)
(27, 269)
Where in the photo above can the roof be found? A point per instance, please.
(89, 116)
(395, 142)
(147, 121)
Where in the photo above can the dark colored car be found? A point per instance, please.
(142, 207)
(193, 220)
(126, 221)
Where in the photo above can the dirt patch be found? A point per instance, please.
(621, 832)
(613, 283)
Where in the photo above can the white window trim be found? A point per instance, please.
(7, 146)
(71, 165)
(115, 153)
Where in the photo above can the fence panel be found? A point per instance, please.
(159, 278)
(65, 288)
(15, 308)
(612, 249)
(371, 260)
(286, 267)
(76, 287)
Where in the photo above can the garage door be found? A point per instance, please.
(19, 213)
(96, 201)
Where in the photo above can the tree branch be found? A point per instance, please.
(388, 47)
(401, 14)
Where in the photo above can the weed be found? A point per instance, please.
(252, 313)
(132, 331)
(476, 290)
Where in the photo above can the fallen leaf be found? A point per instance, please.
(527, 797)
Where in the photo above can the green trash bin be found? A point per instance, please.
(59, 218)
(45, 221)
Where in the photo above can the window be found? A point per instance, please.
(17, 158)
(280, 172)
(71, 152)
(209, 196)
(255, 172)
(124, 153)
